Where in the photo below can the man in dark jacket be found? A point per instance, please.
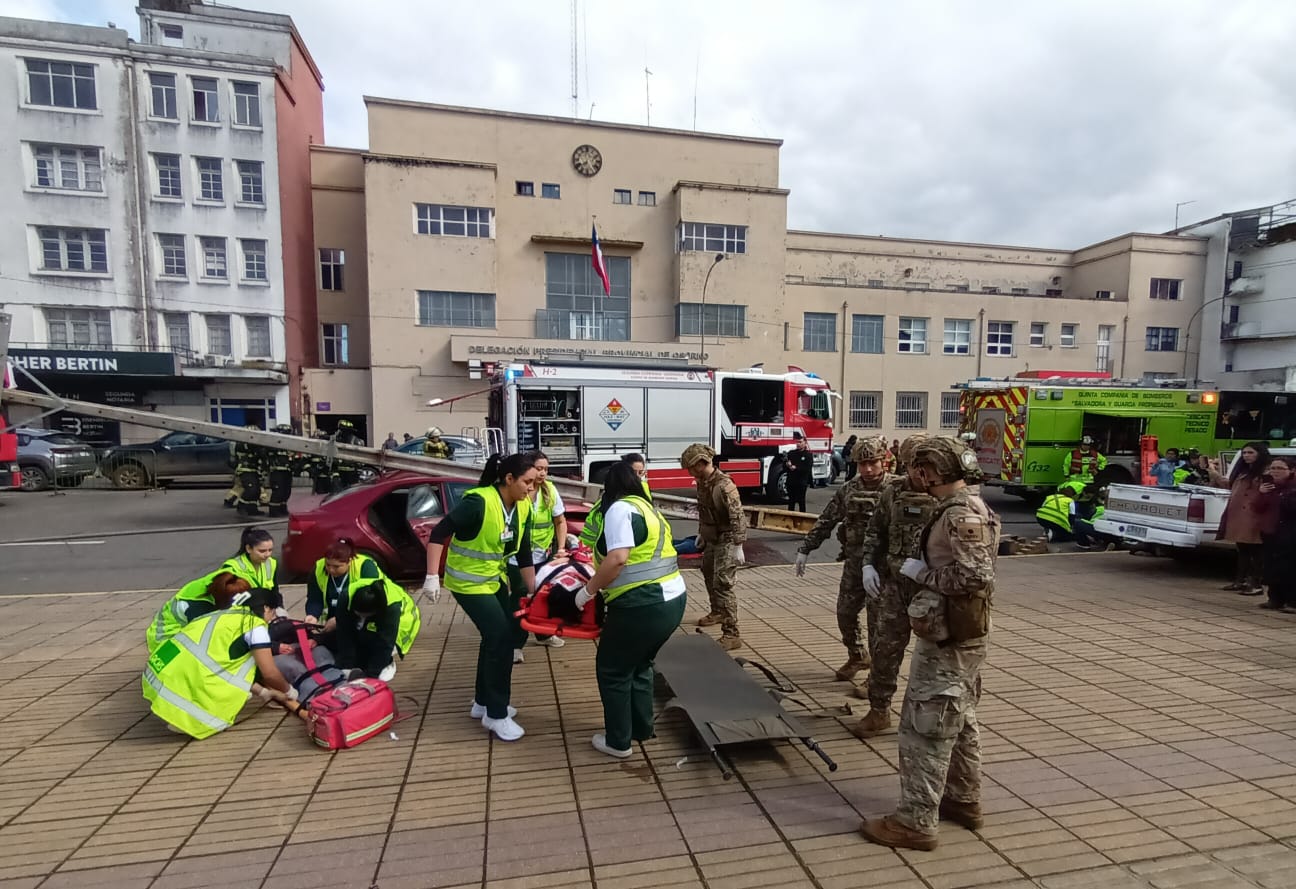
(800, 469)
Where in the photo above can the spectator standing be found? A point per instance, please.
(1164, 469)
(390, 444)
(800, 470)
(846, 451)
(1244, 517)
(1280, 539)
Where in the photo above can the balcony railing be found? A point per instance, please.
(553, 324)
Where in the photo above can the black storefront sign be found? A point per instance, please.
(100, 364)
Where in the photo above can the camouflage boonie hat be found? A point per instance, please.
(951, 458)
(909, 445)
(867, 449)
(696, 453)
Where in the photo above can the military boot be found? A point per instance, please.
(731, 642)
(855, 664)
(711, 619)
(889, 832)
(875, 722)
(966, 815)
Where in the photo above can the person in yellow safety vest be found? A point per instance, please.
(212, 592)
(199, 679)
(640, 582)
(335, 576)
(434, 446)
(378, 622)
(255, 563)
(1085, 462)
(1054, 514)
(491, 523)
(548, 535)
(593, 527)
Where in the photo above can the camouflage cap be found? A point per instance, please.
(867, 449)
(697, 453)
(952, 459)
(909, 445)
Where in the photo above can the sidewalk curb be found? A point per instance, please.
(180, 530)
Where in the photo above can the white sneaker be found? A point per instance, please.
(601, 745)
(552, 642)
(478, 711)
(517, 656)
(505, 729)
(388, 672)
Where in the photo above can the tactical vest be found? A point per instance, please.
(859, 507)
(173, 615)
(966, 616)
(653, 561)
(910, 512)
(477, 567)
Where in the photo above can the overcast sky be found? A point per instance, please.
(1038, 123)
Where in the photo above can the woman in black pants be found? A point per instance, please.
(1280, 542)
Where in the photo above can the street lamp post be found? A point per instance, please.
(1188, 338)
(719, 258)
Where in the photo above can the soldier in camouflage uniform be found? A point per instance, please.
(893, 536)
(940, 747)
(852, 506)
(723, 527)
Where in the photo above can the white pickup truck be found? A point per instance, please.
(1186, 516)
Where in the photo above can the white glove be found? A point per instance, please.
(572, 541)
(264, 692)
(872, 583)
(912, 568)
(583, 598)
(738, 556)
(292, 693)
(432, 588)
(800, 564)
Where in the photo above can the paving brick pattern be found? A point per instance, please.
(1139, 728)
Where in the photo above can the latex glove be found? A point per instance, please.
(738, 556)
(432, 588)
(573, 542)
(583, 598)
(265, 693)
(872, 582)
(912, 568)
(800, 564)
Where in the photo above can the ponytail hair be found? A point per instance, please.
(498, 468)
(340, 550)
(224, 587)
(546, 492)
(253, 537)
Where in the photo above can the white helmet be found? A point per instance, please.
(434, 432)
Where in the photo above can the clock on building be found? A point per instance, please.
(587, 160)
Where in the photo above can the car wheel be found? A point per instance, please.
(130, 476)
(34, 478)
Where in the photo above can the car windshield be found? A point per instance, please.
(61, 438)
(350, 489)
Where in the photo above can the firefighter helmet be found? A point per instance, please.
(434, 432)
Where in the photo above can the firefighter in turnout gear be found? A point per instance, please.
(346, 473)
(723, 527)
(317, 467)
(434, 446)
(280, 465)
(852, 506)
(251, 461)
(1086, 462)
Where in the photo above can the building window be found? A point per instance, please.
(210, 184)
(550, 190)
(1038, 330)
(79, 328)
(864, 412)
(819, 333)
(866, 334)
(168, 175)
(949, 415)
(524, 189)
(647, 199)
(911, 410)
(258, 336)
(68, 167)
(251, 188)
(1103, 362)
(913, 336)
(177, 328)
(254, 259)
(713, 238)
(960, 288)
(717, 320)
(1164, 288)
(337, 349)
(876, 282)
(575, 305)
(999, 338)
(332, 261)
(206, 101)
(454, 222)
(958, 337)
(73, 249)
(443, 308)
(1020, 291)
(1053, 291)
(162, 96)
(172, 35)
(218, 335)
(621, 195)
(214, 264)
(989, 289)
(172, 248)
(247, 105)
(1162, 339)
(1103, 294)
(61, 85)
(1067, 336)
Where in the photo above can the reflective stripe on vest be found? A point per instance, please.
(185, 706)
(476, 567)
(353, 575)
(260, 577)
(192, 683)
(542, 517)
(172, 616)
(1055, 510)
(200, 649)
(652, 561)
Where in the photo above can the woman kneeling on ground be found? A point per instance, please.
(214, 592)
(639, 580)
(376, 622)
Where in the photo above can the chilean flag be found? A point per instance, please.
(600, 267)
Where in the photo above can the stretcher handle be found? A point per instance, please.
(726, 769)
(814, 745)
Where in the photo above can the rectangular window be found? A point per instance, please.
(1019, 291)
(864, 410)
(1164, 288)
(1038, 329)
(453, 222)
(913, 336)
(876, 282)
(69, 167)
(960, 288)
(999, 338)
(1067, 336)
(550, 190)
(819, 333)
(177, 327)
(1053, 291)
(911, 410)
(254, 259)
(214, 264)
(1103, 294)
(211, 186)
(717, 320)
(443, 308)
(332, 262)
(1162, 339)
(958, 337)
(866, 334)
(337, 350)
(1103, 362)
(524, 189)
(79, 328)
(172, 250)
(247, 105)
(251, 187)
(172, 35)
(647, 199)
(713, 238)
(206, 101)
(61, 84)
(621, 195)
(575, 305)
(73, 249)
(162, 96)
(989, 289)
(218, 335)
(949, 416)
(258, 336)
(168, 175)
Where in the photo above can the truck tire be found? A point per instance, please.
(34, 478)
(776, 485)
(130, 476)
(1114, 475)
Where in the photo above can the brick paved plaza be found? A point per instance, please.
(1138, 732)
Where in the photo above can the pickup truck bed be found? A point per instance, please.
(1186, 516)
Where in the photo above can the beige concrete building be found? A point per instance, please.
(461, 239)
